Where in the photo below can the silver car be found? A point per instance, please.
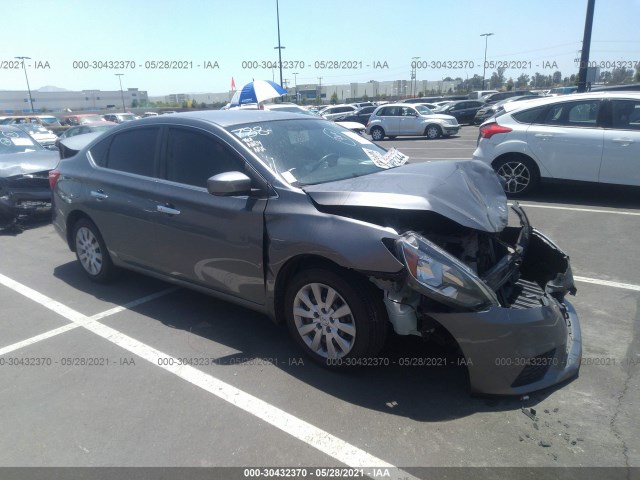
(324, 231)
(404, 119)
(590, 137)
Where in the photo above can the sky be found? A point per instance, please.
(83, 44)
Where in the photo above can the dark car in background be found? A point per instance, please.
(463, 110)
(90, 127)
(361, 116)
(81, 118)
(322, 230)
(496, 97)
(24, 177)
(119, 117)
(490, 110)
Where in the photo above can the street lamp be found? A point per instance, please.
(414, 74)
(25, 76)
(119, 75)
(279, 47)
(484, 65)
(295, 80)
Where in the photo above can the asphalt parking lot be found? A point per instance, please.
(95, 375)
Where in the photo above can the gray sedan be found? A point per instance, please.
(322, 230)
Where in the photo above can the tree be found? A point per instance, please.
(557, 77)
(497, 78)
(636, 77)
(334, 98)
(621, 75)
(203, 105)
(365, 97)
(509, 84)
(134, 103)
(522, 81)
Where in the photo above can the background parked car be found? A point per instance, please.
(405, 119)
(463, 110)
(361, 116)
(24, 177)
(591, 137)
(40, 134)
(496, 97)
(335, 111)
(490, 110)
(80, 118)
(85, 128)
(48, 121)
(119, 117)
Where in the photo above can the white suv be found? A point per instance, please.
(592, 137)
(407, 119)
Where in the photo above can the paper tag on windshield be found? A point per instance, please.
(21, 141)
(393, 158)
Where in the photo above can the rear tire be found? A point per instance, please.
(520, 173)
(335, 317)
(91, 252)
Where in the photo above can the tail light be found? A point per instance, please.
(491, 129)
(53, 178)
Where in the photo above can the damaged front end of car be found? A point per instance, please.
(501, 296)
(24, 196)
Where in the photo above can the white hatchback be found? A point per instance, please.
(589, 137)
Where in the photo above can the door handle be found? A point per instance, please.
(99, 195)
(622, 141)
(544, 136)
(168, 209)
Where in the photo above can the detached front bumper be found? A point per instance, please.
(511, 351)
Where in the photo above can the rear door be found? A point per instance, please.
(213, 241)
(621, 153)
(390, 120)
(121, 193)
(568, 140)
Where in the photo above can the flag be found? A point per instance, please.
(233, 84)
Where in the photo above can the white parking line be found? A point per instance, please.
(608, 283)
(71, 326)
(574, 209)
(327, 443)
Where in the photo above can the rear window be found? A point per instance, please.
(528, 116)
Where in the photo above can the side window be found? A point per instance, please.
(134, 151)
(528, 116)
(625, 114)
(573, 114)
(193, 157)
(99, 151)
(407, 112)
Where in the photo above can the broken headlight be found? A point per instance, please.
(441, 276)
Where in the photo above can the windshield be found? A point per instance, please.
(12, 141)
(422, 110)
(32, 128)
(315, 151)
(50, 121)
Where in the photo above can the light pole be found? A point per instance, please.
(484, 65)
(279, 47)
(119, 75)
(25, 76)
(414, 74)
(295, 80)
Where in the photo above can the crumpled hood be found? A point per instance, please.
(467, 192)
(12, 164)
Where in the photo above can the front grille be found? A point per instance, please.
(536, 369)
(526, 295)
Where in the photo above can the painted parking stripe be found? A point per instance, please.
(72, 326)
(37, 338)
(574, 209)
(608, 283)
(327, 443)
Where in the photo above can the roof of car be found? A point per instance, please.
(228, 118)
(539, 101)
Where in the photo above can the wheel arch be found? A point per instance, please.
(516, 155)
(303, 262)
(71, 220)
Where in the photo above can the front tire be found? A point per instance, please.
(520, 174)
(335, 317)
(377, 133)
(91, 252)
(432, 132)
